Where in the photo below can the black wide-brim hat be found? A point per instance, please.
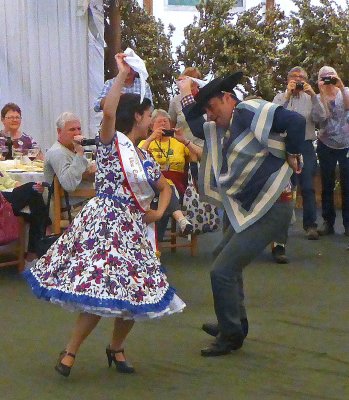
(210, 90)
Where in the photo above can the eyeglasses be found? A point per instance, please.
(14, 118)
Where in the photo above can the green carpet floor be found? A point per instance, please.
(297, 347)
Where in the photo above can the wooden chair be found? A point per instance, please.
(175, 240)
(13, 253)
(60, 222)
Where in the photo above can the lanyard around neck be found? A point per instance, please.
(168, 149)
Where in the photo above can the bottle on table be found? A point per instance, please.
(9, 145)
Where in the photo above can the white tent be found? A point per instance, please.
(51, 60)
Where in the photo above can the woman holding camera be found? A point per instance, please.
(172, 151)
(333, 145)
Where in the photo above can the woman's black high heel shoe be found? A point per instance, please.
(62, 368)
(121, 366)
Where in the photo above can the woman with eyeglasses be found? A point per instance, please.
(11, 118)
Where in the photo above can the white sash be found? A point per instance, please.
(137, 180)
(133, 170)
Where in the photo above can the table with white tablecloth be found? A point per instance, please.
(23, 173)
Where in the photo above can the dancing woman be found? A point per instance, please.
(104, 264)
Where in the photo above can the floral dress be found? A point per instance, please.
(104, 263)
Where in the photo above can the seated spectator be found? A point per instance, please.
(20, 196)
(175, 107)
(132, 85)
(333, 145)
(65, 158)
(173, 155)
(11, 118)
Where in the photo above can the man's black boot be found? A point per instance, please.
(223, 345)
(212, 328)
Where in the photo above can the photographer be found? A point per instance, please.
(300, 97)
(333, 145)
(66, 156)
(172, 151)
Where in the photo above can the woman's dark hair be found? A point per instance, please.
(10, 107)
(129, 104)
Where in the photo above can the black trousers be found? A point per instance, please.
(23, 196)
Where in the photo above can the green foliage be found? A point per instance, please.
(220, 42)
(146, 36)
(320, 37)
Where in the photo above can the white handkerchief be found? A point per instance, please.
(138, 65)
(200, 82)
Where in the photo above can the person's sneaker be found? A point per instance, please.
(326, 229)
(312, 234)
(185, 226)
(279, 255)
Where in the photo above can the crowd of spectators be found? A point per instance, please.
(173, 145)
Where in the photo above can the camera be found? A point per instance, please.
(300, 85)
(329, 80)
(168, 132)
(88, 142)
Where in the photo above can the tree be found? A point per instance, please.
(220, 42)
(146, 36)
(319, 36)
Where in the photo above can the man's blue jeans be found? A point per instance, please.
(306, 183)
(328, 159)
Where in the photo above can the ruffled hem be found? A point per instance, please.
(169, 304)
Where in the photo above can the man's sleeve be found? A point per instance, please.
(196, 125)
(107, 85)
(280, 99)
(69, 173)
(294, 125)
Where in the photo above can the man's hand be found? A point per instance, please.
(291, 86)
(295, 161)
(309, 90)
(92, 167)
(77, 146)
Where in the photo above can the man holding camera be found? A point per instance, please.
(300, 97)
(66, 156)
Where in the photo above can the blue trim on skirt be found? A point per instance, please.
(122, 305)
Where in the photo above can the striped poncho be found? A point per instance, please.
(244, 169)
